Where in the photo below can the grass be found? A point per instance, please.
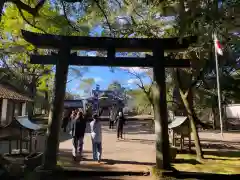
(211, 164)
(63, 163)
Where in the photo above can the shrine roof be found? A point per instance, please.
(8, 92)
(27, 124)
(177, 121)
(49, 41)
(13, 129)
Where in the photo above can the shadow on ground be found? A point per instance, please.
(114, 161)
(214, 152)
(186, 161)
(219, 145)
(65, 157)
(63, 174)
(223, 153)
(64, 136)
(142, 141)
(191, 175)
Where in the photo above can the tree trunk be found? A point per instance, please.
(2, 2)
(192, 117)
(55, 115)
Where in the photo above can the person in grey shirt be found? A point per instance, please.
(96, 135)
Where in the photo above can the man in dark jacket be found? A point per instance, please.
(120, 123)
(66, 120)
(78, 131)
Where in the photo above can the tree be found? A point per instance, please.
(35, 77)
(115, 86)
(69, 96)
(139, 75)
(138, 101)
(86, 85)
(188, 23)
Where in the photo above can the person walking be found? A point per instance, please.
(96, 136)
(78, 131)
(120, 122)
(66, 119)
(71, 119)
(111, 118)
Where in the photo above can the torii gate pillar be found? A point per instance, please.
(56, 112)
(160, 111)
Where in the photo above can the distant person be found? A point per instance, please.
(71, 119)
(78, 131)
(112, 118)
(66, 119)
(120, 122)
(96, 135)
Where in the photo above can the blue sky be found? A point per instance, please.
(104, 76)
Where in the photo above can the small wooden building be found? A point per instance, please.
(22, 135)
(12, 103)
(180, 131)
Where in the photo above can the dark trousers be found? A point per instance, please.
(111, 124)
(119, 130)
(64, 124)
(77, 145)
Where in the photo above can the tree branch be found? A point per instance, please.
(105, 16)
(66, 17)
(30, 10)
(31, 24)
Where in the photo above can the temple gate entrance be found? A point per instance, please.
(64, 58)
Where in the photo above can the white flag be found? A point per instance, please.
(218, 46)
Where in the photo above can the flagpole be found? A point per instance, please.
(218, 89)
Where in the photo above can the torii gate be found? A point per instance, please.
(64, 58)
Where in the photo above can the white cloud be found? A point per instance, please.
(98, 79)
(136, 70)
(132, 81)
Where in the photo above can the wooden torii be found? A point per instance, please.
(64, 58)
